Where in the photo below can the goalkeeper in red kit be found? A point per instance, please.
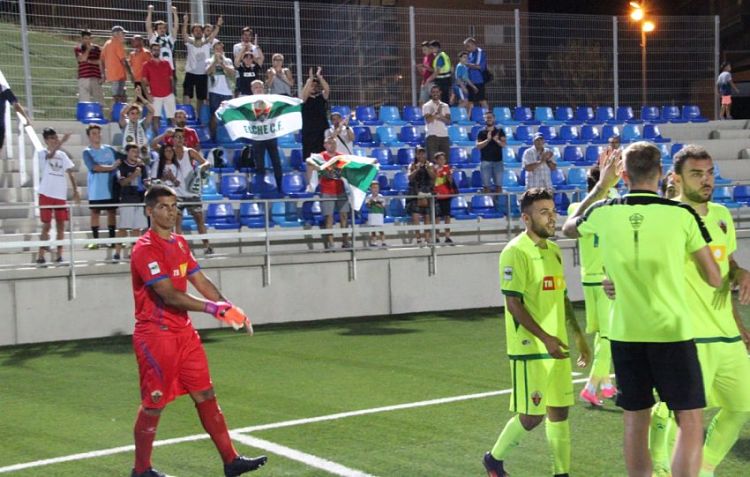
(170, 355)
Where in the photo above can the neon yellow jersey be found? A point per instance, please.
(645, 242)
(535, 275)
(592, 267)
(712, 308)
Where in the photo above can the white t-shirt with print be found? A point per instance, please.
(167, 47)
(218, 83)
(52, 182)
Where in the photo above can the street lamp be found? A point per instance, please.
(638, 14)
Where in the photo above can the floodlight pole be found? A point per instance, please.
(644, 94)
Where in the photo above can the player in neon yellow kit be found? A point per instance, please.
(719, 332)
(536, 310)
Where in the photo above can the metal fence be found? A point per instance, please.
(367, 52)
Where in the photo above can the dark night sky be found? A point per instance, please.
(607, 7)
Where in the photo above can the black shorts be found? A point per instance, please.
(197, 84)
(103, 204)
(670, 368)
(2, 137)
(479, 95)
(443, 207)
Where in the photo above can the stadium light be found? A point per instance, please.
(648, 26)
(638, 14)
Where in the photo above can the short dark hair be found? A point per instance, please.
(471, 39)
(592, 177)
(156, 191)
(690, 151)
(435, 43)
(642, 162)
(48, 133)
(426, 43)
(91, 127)
(179, 130)
(246, 29)
(130, 146)
(724, 65)
(85, 33)
(532, 195)
(463, 53)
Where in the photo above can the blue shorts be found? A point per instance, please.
(460, 95)
(215, 100)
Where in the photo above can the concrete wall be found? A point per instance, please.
(36, 307)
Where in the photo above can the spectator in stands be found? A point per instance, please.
(248, 42)
(7, 97)
(444, 190)
(219, 69)
(137, 58)
(613, 147)
(334, 196)
(157, 84)
(478, 73)
(88, 56)
(375, 213)
(167, 169)
(279, 79)
(157, 33)
(260, 147)
(198, 52)
(441, 71)
(725, 85)
(421, 179)
(490, 142)
(53, 190)
(463, 85)
(191, 165)
(101, 161)
(314, 112)
(538, 162)
(425, 70)
(115, 65)
(437, 116)
(341, 132)
(130, 176)
(134, 129)
(248, 71)
(191, 136)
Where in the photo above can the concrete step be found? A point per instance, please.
(730, 134)
(723, 149)
(16, 194)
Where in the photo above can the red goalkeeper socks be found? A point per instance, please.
(144, 433)
(214, 424)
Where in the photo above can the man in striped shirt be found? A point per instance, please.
(89, 70)
(538, 162)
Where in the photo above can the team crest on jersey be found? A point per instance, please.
(723, 226)
(526, 342)
(156, 396)
(636, 220)
(536, 398)
(508, 274)
(182, 247)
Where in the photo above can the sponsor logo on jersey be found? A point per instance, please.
(551, 282)
(183, 269)
(508, 274)
(719, 252)
(156, 396)
(153, 267)
(536, 398)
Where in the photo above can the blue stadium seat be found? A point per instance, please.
(544, 115)
(204, 136)
(605, 114)
(225, 140)
(462, 181)
(562, 202)
(311, 213)
(413, 114)
(625, 115)
(592, 155)
(293, 185)
(385, 185)
(573, 154)
(460, 158)
(460, 116)
(396, 209)
(723, 196)
(523, 114)
(672, 114)
(234, 186)
(296, 160)
(360, 151)
(221, 216)
(569, 133)
(476, 180)
(289, 141)
(406, 156)
(477, 114)
(204, 115)
(676, 148)
(718, 180)
(90, 113)
(503, 116)
(117, 111)
(366, 115)
(585, 114)
(577, 178)
(692, 113)
(474, 132)
(742, 195)
(651, 114)
(523, 135)
(191, 118)
(511, 182)
(504, 201)
(608, 131)
(345, 112)
(558, 180)
(483, 206)
(390, 115)
(666, 157)
(460, 209)
(459, 136)
(651, 133)
(363, 137)
(550, 134)
(510, 156)
(387, 136)
(382, 155)
(631, 133)
(589, 133)
(187, 220)
(565, 115)
(510, 136)
(209, 191)
(475, 156)
(400, 182)
(264, 186)
(410, 135)
(284, 214)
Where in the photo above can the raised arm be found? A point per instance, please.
(215, 31)
(323, 83)
(185, 36)
(149, 24)
(175, 23)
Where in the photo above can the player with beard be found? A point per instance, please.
(536, 311)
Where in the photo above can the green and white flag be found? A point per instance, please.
(357, 173)
(261, 116)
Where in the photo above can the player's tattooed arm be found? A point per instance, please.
(741, 279)
(584, 353)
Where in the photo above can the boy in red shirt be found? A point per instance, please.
(170, 355)
(333, 194)
(156, 81)
(444, 190)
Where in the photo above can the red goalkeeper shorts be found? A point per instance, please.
(170, 364)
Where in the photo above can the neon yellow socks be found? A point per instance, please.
(558, 437)
(509, 438)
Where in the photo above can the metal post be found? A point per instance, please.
(644, 94)
(8, 127)
(71, 256)
(26, 56)
(353, 242)
(508, 231)
(413, 45)
(717, 59)
(517, 15)
(267, 267)
(22, 155)
(615, 64)
(432, 269)
(170, 24)
(199, 14)
(298, 46)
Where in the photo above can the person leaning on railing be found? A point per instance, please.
(7, 95)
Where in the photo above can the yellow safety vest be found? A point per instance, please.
(445, 70)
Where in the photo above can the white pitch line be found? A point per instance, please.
(260, 427)
(293, 454)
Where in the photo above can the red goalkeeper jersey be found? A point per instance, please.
(154, 259)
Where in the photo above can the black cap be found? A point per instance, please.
(48, 132)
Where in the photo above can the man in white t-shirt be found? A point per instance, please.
(198, 52)
(342, 133)
(219, 69)
(157, 33)
(53, 190)
(437, 117)
(248, 42)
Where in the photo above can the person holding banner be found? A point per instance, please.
(334, 195)
(7, 95)
(261, 109)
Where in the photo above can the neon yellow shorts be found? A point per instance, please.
(598, 308)
(539, 383)
(726, 374)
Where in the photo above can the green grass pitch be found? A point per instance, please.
(69, 398)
